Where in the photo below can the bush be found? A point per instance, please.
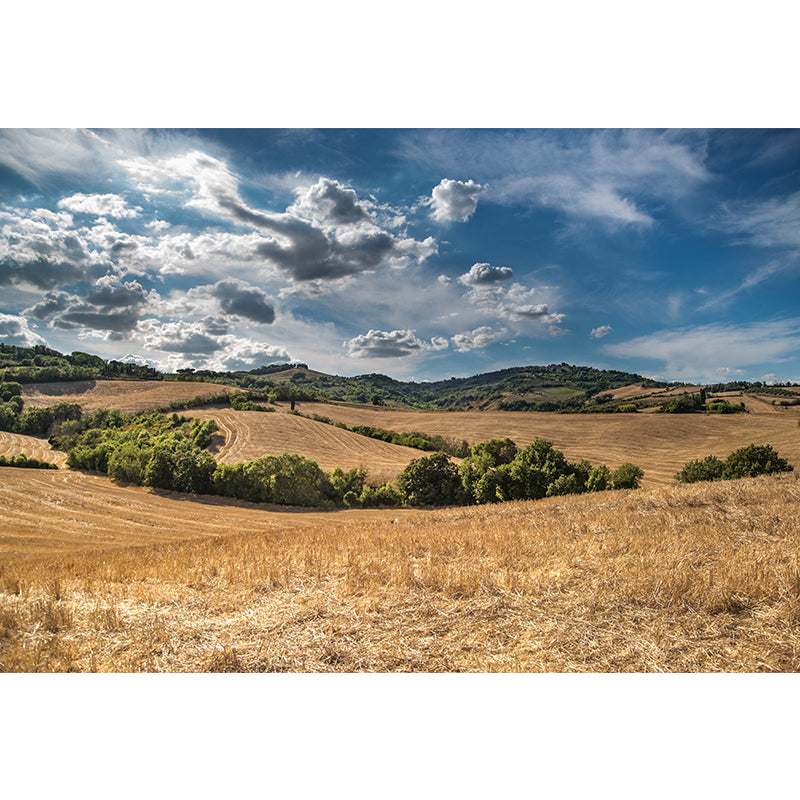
(709, 469)
(627, 476)
(599, 479)
(746, 462)
(754, 460)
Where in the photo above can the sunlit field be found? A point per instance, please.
(697, 578)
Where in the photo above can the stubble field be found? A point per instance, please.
(97, 576)
(700, 578)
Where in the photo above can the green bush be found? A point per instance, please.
(709, 469)
(746, 462)
(754, 460)
(627, 476)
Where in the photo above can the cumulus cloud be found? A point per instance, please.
(599, 333)
(101, 205)
(245, 301)
(477, 339)
(110, 305)
(329, 201)
(385, 344)
(206, 343)
(50, 304)
(328, 233)
(455, 201)
(14, 330)
(485, 275)
(515, 303)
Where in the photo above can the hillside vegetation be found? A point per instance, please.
(701, 577)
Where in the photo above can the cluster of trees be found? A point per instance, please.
(23, 461)
(747, 462)
(698, 403)
(41, 364)
(497, 470)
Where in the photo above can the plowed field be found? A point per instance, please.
(132, 397)
(14, 444)
(251, 434)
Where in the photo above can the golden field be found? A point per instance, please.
(247, 435)
(659, 443)
(699, 578)
(99, 576)
(132, 397)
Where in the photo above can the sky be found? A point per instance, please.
(419, 253)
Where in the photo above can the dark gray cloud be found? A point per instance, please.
(308, 252)
(485, 274)
(51, 303)
(108, 306)
(244, 301)
(41, 272)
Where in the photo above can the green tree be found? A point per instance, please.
(431, 481)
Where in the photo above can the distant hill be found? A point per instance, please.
(555, 387)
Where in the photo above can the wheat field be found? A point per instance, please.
(697, 578)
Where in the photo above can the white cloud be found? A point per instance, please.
(101, 205)
(477, 339)
(708, 352)
(385, 344)
(485, 274)
(771, 223)
(608, 176)
(599, 333)
(455, 201)
(15, 330)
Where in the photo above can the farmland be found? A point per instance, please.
(102, 576)
(700, 578)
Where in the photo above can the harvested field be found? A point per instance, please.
(659, 443)
(12, 444)
(46, 512)
(251, 434)
(132, 397)
(699, 578)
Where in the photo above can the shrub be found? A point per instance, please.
(754, 460)
(628, 408)
(743, 463)
(599, 479)
(627, 476)
(709, 469)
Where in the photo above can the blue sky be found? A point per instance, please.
(418, 253)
